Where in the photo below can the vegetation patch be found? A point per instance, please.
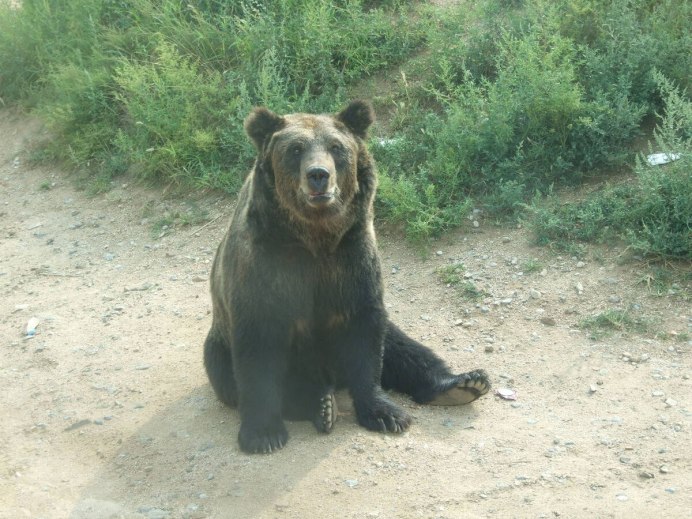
(610, 321)
(495, 107)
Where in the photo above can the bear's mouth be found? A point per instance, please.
(319, 198)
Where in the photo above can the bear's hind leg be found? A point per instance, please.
(219, 366)
(411, 368)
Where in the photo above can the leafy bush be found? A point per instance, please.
(161, 87)
(500, 100)
(501, 141)
(653, 215)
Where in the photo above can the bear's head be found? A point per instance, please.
(315, 164)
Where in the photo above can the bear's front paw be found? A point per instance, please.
(383, 416)
(263, 439)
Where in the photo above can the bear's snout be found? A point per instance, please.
(318, 180)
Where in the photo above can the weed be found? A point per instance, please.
(605, 323)
(470, 291)
(451, 274)
(531, 266)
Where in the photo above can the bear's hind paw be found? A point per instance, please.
(463, 389)
(326, 416)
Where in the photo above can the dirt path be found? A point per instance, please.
(106, 411)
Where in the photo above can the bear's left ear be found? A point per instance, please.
(262, 123)
(357, 116)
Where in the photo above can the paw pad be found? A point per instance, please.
(464, 389)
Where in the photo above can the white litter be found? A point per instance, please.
(656, 159)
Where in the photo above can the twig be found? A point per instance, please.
(59, 274)
(206, 224)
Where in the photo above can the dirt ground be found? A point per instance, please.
(106, 411)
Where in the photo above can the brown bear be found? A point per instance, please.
(297, 290)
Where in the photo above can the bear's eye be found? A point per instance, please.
(336, 147)
(296, 149)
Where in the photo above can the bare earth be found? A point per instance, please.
(106, 412)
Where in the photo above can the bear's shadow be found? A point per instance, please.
(186, 456)
(188, 453)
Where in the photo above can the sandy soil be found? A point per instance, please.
(107, 413)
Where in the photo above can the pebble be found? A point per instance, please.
(664, 469)
(622, 497)
(657, 393)
(534, 294)
(580, 264)
(614, 299)
(425, 317)
(489, 348)
(439, 253)
(670, 402)
(579, 287)
(548, 321)
(351, 483)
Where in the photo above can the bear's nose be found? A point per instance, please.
(318, 178)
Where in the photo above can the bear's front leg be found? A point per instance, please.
(259, 357)
(360, 352)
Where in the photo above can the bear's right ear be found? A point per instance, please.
(261, 124)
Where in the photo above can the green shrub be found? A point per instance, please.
(502, 141)
(654, 214)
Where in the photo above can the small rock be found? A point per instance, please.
(534, 294)
(199, 279)
(475, 223)
(425, 317)
(458, 322)
(506, 239)
(646, 475)
(664, 469)
(622, 497)
(351, 483)
(580, 264)
(579, 287)
(548, 321)
(670, 402)
(657, 393)
(139, 288)
(489, 348)
(614, 299)
(439, 253)
(593, 388)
